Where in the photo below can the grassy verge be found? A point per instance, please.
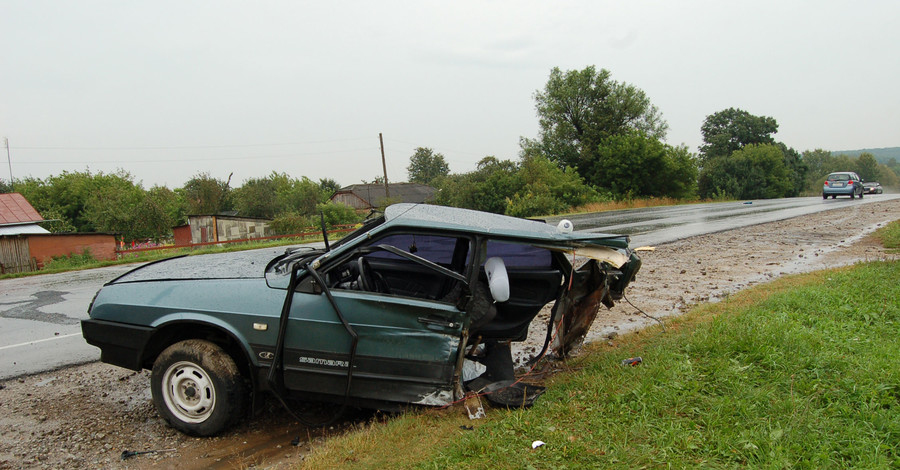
(889, 235)
(802, 372)
(639, 203)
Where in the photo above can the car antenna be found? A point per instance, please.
(324, 232)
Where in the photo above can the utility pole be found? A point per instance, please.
(387, 192)
(8, 160)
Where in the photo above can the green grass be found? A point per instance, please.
(890, 236)
(803, 372)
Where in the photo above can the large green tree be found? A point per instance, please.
(867, 167)
(205, 195)
(731, 129)
(546, 189)
(634, 164)
(425, 166)
(486, 189)
(756, 171)
(279, 193)
(68, 193)
(578, 109)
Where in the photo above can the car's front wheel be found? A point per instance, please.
(197, 387)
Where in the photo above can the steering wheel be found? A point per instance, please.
(370, 280)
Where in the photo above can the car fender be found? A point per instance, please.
(171, 326)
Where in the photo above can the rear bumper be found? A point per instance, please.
(120, 344)
(846, 191)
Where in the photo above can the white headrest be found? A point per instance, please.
(498, 280)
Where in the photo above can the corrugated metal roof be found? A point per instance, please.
(15, 209)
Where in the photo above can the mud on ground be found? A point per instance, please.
(87, 416)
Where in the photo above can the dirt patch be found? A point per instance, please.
(86, 416)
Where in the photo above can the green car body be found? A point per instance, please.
(386, 317)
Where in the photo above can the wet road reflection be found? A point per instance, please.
(655, 225)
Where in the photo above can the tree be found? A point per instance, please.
(278, 194)
(5, 187)
(729, 130)
(485, 189)
(206, 195)
(867, 167)
(578, 109)
(636, 165)
(425, 166)
(546, 189)
(329, 186)
(68, 194)
(757, 171)
(257, 197)
(797, 167)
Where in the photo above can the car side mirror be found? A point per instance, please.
(498, 279)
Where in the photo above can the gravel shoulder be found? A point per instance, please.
(86, 416)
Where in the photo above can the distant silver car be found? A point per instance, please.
(842, 183)
(872, 187)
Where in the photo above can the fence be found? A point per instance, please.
(341, 229)
(15, 257)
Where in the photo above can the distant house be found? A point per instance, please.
(370, 196)
(17, 217)
(223, 228)
(25, 246)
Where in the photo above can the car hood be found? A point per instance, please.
(236, 265)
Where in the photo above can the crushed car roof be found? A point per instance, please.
(452, 218)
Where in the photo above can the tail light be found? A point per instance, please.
(826, 183)
(849, 183)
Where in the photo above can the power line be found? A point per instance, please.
(188, 147)
(181, 159)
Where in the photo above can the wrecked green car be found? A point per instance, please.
(385, 317)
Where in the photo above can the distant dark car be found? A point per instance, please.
(842, 183)
(872, 187)
(393, 313)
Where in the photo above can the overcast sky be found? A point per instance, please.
(166, 90)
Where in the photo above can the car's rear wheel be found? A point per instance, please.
(197, 387)
(852, 195)
(824, 196)
(834, 196)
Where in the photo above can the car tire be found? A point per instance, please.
(834, 196)
(852, 195)
(824, 196)
(197, 388)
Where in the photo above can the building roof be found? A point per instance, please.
(15, 210)
(400, 192)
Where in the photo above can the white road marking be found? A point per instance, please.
(38, 341)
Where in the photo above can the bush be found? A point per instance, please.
(71, 261)
(338, 214)
(290, 223)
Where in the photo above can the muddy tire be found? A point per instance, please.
(197, 388)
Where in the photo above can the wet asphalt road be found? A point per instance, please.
(657, 225)
(40, 315)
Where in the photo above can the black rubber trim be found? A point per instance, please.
(120, 344)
